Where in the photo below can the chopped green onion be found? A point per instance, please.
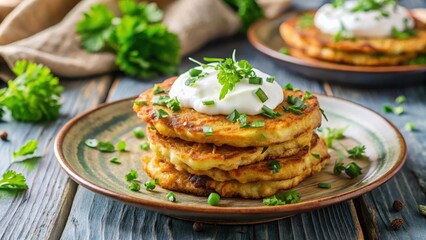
(356, 152)
(264, 150)
(141, 102)
(171, 197)
(207, 130)
(131, 176)
(269, 113)
(93, 143)
(208, 102)
(401, 99)
(138, 132)
(410, 126)
(261, 95)
(121, 146)
(213, 199)
(134, 186)
(211, 59)
(274, 165)
(289, 87)
(307, 95)
(316, 155)
(114, 160)
(270, 79)
(353, 170)
(105, 147)
(233, 117)
(243, 120)
(338, 168)
(162, 114)
(285, 51)
(324, 185)
(255, 80)
(160, 100)
(257, 124)
(387, 108)
(173, 104)
(323, 114)
(150, 184)
(144, 145)
(158, 90)
(398, 110)
(195, 72)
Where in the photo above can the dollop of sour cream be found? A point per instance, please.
(242, 98)
(371, 24)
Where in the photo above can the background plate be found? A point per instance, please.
(115, 121)
(265, 37)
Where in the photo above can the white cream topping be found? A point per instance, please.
(371, 24)
(242, 98)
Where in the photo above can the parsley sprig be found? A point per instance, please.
(27, 149)
(405, 33)
(33, 96)
(289, 197)
(371, 5)
(100, 29)
(12, 180)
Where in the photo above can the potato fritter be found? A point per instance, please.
(187, 124)
(312, 36)
(204, 156)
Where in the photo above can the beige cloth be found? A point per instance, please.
(44, 31)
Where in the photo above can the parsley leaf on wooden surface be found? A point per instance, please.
(12, 180)
(33, 96)
(29, 148)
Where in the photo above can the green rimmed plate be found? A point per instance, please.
(115, 121)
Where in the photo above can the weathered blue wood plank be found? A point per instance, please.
(38, 212)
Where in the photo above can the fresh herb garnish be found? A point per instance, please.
(264, 149)
(274, 165)
(324, 185)
(138, 132)
(134, 186)
(234, 116)
(297, 106)
(400, 99)
(410, 127)
(338, 3)
(158, 90)
(194, 72)
(28, 148)
(338, 167)
(114, 160)
(396, 110)
(144, 145)
(356, 152)
(105, 147)
(131, 176)
(289, 197)
(208, 131)
(419, 60)
(100, 29)
(170, 196)
(255, 80)
(161, 113)
(285, 51)
(12, 180)
(316, 155)
(261, 95)
(371, 5)
(270, 79)
(257, 124)
(141, 102)
(406, 33)
(323, 114)
(305, 21)
(33, 96)
(93, 143)
(269, 113)
(121, 146)
(353, 170)
(150, 184)
(248, 11)
(208, 102)
(307, 95)
(173, 104)
(343, 34)
(160, 100)
(331, 134)
(289, 87)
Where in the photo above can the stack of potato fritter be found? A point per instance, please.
(251, 162)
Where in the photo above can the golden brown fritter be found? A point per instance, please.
(204, 156)
(312, 36)
(187, 124)
(260, 171)
(182, 181)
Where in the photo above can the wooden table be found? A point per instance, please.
(56, 207)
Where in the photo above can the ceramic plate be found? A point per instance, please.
(115, 121)
(265, 37)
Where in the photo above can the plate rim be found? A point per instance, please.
(303, 206)
(323, 65)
